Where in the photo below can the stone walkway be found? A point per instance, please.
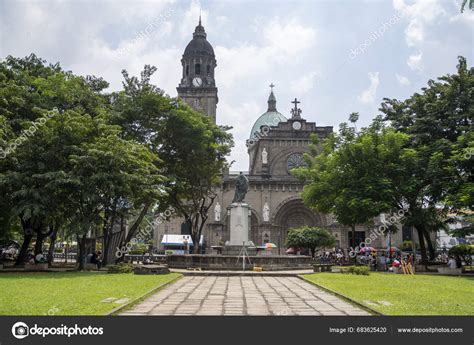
(207, 295)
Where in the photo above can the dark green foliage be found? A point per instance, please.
(312, 238)
(121, 267)
(358, 270)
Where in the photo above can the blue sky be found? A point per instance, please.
(335, 56)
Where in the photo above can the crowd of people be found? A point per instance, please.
(377, 260)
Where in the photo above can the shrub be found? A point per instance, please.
(358, 270)
(121, 267)
(408, 246)
(464, 251)
(311, 238)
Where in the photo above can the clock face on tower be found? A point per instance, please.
(197, 82)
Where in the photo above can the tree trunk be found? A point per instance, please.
(424, 258)
(40, 236)
(354, 241)
(81, 254)
(28, 236)
(24, 249)
(52, 242)
(430, 245)
(137, 223)
(39, 243)
(106, 242)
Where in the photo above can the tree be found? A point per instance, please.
(349, 175)
(466, 229)
(110, 178)
(471, 5)
(191, 148)
(437, 173)
(78, 170)
(463, 251)
(353, 118)
(308, 237)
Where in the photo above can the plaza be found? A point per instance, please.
(243, 296)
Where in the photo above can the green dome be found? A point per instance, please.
(271, 118)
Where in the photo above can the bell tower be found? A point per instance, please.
(198, 86)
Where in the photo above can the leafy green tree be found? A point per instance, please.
(466, 229)
(308, 237)
(437, 173)
(194, 152)
(191, 147)
(463, 251)
(353, 118)
(471, 5)
(73, 167)
(111, 177)
(350, 176)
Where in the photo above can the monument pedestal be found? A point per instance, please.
(239, 231)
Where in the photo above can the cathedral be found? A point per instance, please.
(275, 146)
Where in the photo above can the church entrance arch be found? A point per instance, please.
(293, 213)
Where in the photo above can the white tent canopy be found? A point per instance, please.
(179, 240)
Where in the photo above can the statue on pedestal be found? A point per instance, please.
(241, 188)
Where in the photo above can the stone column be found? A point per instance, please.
(239, 224)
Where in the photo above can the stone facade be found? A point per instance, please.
(198, 87)
(276, 145)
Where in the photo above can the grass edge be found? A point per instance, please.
(344, 297)
(138, 299)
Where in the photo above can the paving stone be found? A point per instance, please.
(280, 296)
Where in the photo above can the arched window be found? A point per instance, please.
(197, 69)
(208, 70)
(187, 70)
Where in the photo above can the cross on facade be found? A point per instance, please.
(296, 112)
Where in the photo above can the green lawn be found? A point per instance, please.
(398, 294)
(71, 293)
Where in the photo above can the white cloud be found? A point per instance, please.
(191, 18)
(420, 14)
(283, 42)
(303, 84)
(425, 10)
(247, 113)
(415, 62)
(368, 95)
(414, 33)
(402, 80)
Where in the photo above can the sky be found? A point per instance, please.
(335, 56)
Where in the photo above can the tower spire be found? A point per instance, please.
(271, 99)
(199, 31)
